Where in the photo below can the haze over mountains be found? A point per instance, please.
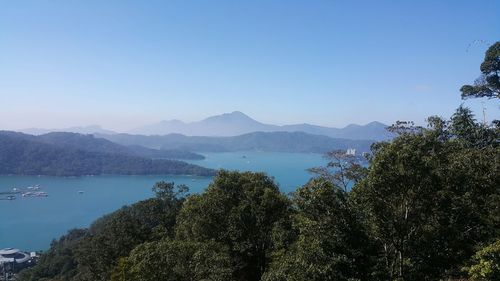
(237, 123)
(92, 129)
(234, 124)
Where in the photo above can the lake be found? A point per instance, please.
(30, 223)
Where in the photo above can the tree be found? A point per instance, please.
(239, 210)
(330, 242)
(342, 170)
(430, 195)
(58, 262)
(488, 84)
(175, 261)
(486, 263)
(166, 191)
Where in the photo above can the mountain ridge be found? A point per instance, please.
(233, 124)
(237, 123)
(257, 141)
(90, 129)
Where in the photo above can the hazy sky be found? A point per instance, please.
(123, 64)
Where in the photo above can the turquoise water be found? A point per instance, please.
(288, 169)
(32, 223)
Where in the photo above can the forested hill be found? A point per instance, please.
(264, 141)
(21, 154)
(94, 144)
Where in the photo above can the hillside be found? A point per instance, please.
(264, 141)
(93, 144)
(21, 155)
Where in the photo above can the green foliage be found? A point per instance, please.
(168, 192)
(115, 235)
(59, 262)
(488, 84)
(93, 254)
(330, 243)
(342, 170)
(239, 210)
(175, 261)
(427, 197)
(486, 263)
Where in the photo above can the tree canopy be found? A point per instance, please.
(488, 84)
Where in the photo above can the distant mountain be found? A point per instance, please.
(237, 123)
(92, 129)
(260, 141)
(228, 124)
(25, 155)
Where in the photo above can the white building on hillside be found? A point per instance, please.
(351, 152)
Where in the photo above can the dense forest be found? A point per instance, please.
(21, 155)
(427, 207)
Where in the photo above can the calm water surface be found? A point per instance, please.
(31, 223)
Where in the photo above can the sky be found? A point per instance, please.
(123, 64)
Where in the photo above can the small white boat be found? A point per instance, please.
(34, 194)
(26, 194)
(41, 194)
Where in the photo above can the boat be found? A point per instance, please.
(35, 187)
(34, 194)
(80, 191)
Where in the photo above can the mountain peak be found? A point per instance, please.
(376, 123)
(237, 113)
(232, 116)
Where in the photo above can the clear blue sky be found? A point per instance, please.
(123, 64)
